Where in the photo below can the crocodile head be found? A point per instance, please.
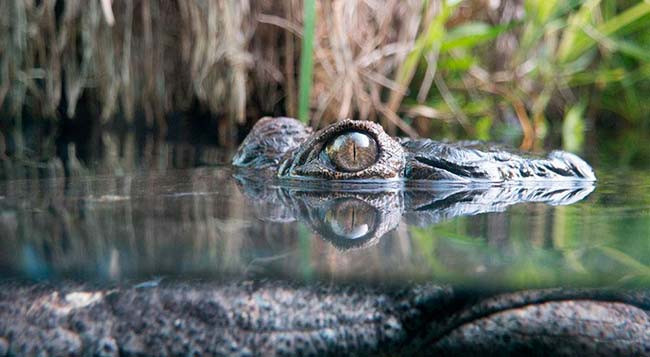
(347, 150)
(361, 151)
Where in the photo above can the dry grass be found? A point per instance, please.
(236, 58)
(135, 58)
(405, 63)
(359, 46)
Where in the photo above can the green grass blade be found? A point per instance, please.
(568, 49)
(306, 60)
(471, 34)
(426, 41)
(573, 128)
(580, 42)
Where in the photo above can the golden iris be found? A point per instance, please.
(352, 151)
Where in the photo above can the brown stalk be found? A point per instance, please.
(524, 121)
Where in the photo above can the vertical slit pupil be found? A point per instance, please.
(352, 151)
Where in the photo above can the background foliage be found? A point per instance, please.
(530, 72)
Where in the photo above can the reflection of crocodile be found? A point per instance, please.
(357, 218)
(361, 150)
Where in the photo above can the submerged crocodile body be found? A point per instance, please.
(361, 151)
(268, 318)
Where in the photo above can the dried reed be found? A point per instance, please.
(149, 58)
(471, 62)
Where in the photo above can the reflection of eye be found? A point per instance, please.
(351, 219)
(352, 151)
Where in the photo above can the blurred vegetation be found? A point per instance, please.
(542, 65)
(530, 72)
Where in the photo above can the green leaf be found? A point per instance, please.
(483, 127)
(600, 77)
(573, 128)
(631, 49)
(471, 34)
(568, 49)
(425, 42)
(542, 10)
(456, 64)
(626, 260)
(575, 42)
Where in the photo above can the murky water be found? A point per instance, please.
(211, 222)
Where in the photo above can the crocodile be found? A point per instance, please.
(250, 316)
(361, 151)
(247, 318)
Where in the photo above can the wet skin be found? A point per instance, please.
(279, 318)
(361, 151)
(536, 322)
(270, 317)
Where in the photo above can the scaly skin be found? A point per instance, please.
(280, 318)
(289, 148)
(441, 320)
(277, 318)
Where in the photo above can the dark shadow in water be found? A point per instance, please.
(358, 218)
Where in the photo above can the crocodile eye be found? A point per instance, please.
(346, 150)
(352, 151)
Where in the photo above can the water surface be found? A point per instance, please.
(209, 223)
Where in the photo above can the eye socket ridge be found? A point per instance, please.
(311, 160)
(352, 150)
